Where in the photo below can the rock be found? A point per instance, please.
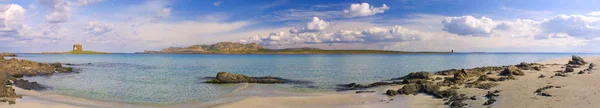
(581, 72)
(561, 74)
(592, 65)
(413, 81)
(481, 85)
(473, 97)
(391, 92)
(569, 69)
(357, 92)
(15, 67)
(416, 75)
(6, 54)
(542, 76)
(512, 70)
(5, 92)
(25, 84)
(226, 77)
(541, 92)
(409, 89)
(438, 78)
(537, 68)
(491, 96)
(576, 60)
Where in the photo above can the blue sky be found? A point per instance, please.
(406, 25)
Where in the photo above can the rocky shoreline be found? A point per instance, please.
(12, 70)
(445, 84)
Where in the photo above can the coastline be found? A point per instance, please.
(516, 93)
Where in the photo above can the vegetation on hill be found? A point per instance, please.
(253, 48)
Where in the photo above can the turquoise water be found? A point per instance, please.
(177, 78)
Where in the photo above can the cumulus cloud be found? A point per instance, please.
(364, 9)
(560, 26)
(369, 35)
(595, 13)
(11, 19)
(60, 10)
(573, 25)
(469, 25)
(315, 25)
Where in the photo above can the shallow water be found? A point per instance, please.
(177, 78)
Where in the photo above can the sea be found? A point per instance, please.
(165, 79)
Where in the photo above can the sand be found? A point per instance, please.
(577, 90)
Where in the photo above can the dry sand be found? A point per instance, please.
(577, 91)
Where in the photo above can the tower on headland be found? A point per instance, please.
(77, 47)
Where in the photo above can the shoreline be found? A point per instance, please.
(246, 96)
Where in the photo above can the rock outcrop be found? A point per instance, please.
(6, 54)
(18, 68)
(6, 92)
(226, 77)
(512, 70)
(576, 60)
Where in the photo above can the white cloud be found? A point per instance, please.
(164, 13)
(12, 16)
(595, 13)
(370, 35)
(95, 28)
(573, 25)
(60, 10)
(315, 26)
(469, 25)
(86, 2)
(217, 4)
(364, 9)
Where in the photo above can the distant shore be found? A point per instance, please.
(576, 90)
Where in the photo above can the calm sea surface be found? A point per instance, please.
(177, 78)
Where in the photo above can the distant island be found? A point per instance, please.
(253, 48)
(77, 49)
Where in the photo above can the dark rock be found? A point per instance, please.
(409, 89)
(581, 72)
(512, 70)
(473, 97)
(413, 81)
(541, 92)
(25, 84)
(576, 60)
(438, 78)
(542, 76)
(561, 74)
(416, 75)
(491, 96)
(569, 69)
(364, 92)
(391, 92)
(226, 77)
(481, 85)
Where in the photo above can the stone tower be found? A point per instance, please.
(77, 47)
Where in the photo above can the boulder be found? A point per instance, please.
(576, 60)
(409, 89)
(569, 69)
(416, 75)
(25, 84)
(226, 77)
(391, 92)
(512, 70)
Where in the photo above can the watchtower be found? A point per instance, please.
(77, 47)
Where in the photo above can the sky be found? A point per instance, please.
(30, 26)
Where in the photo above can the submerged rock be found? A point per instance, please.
(226, 77)
(576, 60)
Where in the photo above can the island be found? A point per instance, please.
(77, 49)
(253, 48)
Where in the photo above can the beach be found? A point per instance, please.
(576, 90)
